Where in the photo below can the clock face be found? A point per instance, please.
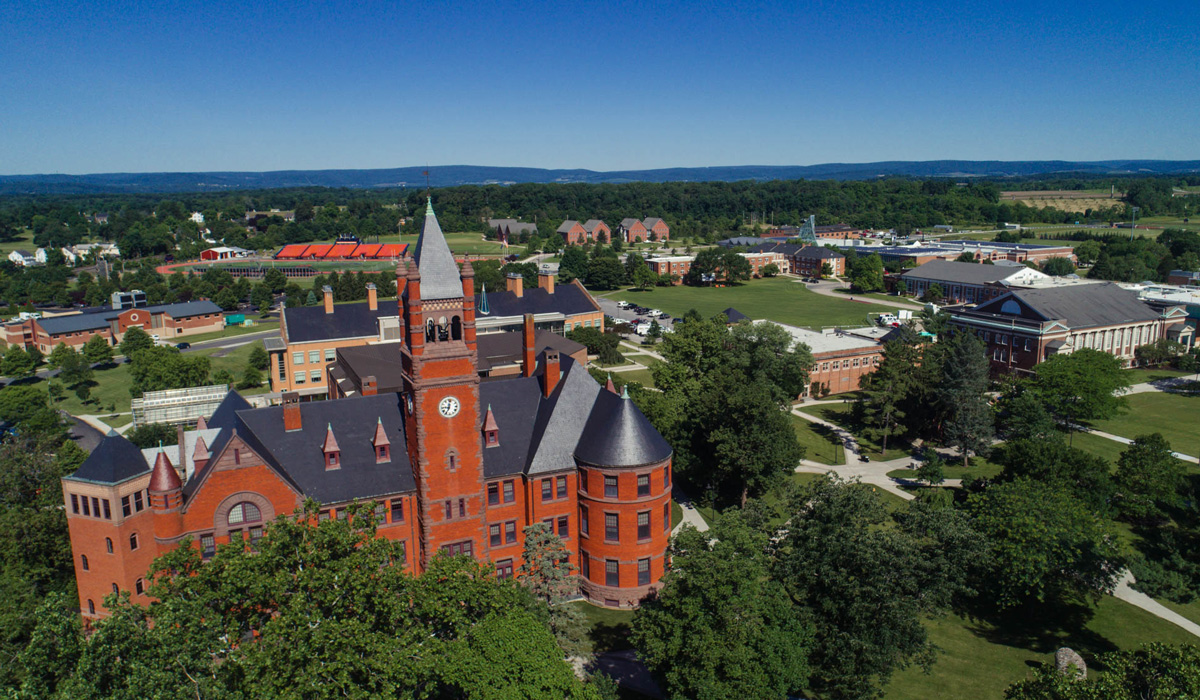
(448, 407)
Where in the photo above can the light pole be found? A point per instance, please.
(1133, 226)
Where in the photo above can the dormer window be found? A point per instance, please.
(333, 454)
(331, 460)
(382, 444)
(381, 454)
(491, 430)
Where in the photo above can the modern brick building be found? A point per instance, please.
(597, 231)
(572, 232)
(657, 228)
(167, 321)
(453, 462)
(760, 260)
(632, 231)
(676, 266)
(840, 359)
(964, 282)
(1024, 327)
(1184, 277)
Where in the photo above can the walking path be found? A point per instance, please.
(1137, 599)
(691, 516)
(828, 289)
(1127, 441)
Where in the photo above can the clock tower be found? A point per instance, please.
(441, 397)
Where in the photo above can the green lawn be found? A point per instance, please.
(778, 299)
(820, 444)
(881, 298)
(955, 470)
(1176, 416)
(1140, 376)
(676, 514)
(474, 244)
(1099, 446)
(608, 630)
(232, 331)
(839, 414)
(980, 660)
(641, 376)
(24, 241)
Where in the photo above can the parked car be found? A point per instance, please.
(183, 346)
(642, 328)
(654, 313)
(888, 320)
(622, 305)
(664, 317)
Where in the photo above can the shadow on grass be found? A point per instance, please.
(610, 637)
(1041, 628)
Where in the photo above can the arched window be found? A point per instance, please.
(443, 331)
(91, 607)
(456, 328)
(452, 460)
(108, 544)
(133, 543)
(116, 589)
(244, 512)
(139, 586)
(83, 561)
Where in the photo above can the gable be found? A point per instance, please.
(238, 468)
(1011, 305)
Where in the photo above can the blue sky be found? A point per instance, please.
(186, 85)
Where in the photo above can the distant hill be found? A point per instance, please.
(449, 175)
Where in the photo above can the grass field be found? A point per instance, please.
(234, 331)
(839, 414)
(820, 444)
(1096, 445)
(608, 630)
(1140, 376)
(24, 241)
(1176, 416)
(475, 244)
(778, 299)
(955, 470)
(979, 660)
(881, 298)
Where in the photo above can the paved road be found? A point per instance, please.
(828, 288)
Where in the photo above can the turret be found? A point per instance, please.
(166, 497)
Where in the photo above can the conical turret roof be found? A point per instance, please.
(164, 477)
(330, 441)
(381, 437)
(618, 435)
(439, 273)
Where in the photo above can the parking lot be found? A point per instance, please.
(609, 306)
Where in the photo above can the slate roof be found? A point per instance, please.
(750, 241)
(99, 318)
(959, 272)
(114, 460)
(650, 221)
(592, 224)
(381, 360)
(618, 435)
(567, 299)
(439, 272)
(566, 226)
(354, 420)
(627, 223)
(506, 348)
(514, 401)
(309, 323)
(1081, 306)
(818, 252)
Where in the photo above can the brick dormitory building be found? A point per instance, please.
(167, 321)
(454, 462)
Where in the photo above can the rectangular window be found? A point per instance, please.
(380, 513)
(87, 509)
(315, 375)
(583, 520)
(510, 532)
(583, 481)
(282, 369)
(509, 493)
(643, 572)
(462, 507)
(610, 487)
(404, 551)
(612, 530)
(585, 566)
(643, 484)
(493, 494)
(107, 510)
(297, 358)
(504, 569)
(314, 356)
(126, 510)
(494, 535)
(643, 521)
(329, 355)
(397, 510)
(449, 509)
(547, 489)
(666, 478)
(667, 517)
(322, 516)
(343, 514)
(612, 573)
(300, 377)
(75, 504)
(255, 534)
(96, 506)
(564, 530)
(208, 546)
(561, 484)
(463, 548)
(235, 536)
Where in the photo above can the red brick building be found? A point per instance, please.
(632, 231)
(454, 462)
(676, 266)
(657, 229)
(597, 231)
(573, 232)
(164, 320)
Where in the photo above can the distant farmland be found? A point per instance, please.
(1065, 200)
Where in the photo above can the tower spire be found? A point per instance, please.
(484, 309)
(439, 272)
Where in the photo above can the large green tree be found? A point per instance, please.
(1152, 672)
(881, 405)
(720, 628)
(97, 350)
(547, 572)
(970, 424)
(135, 339)
(1081, 386)
(1148, 478)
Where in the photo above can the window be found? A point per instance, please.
(115, 588)
(585, 563)
(667, 517)
(462, 507)
(404, 551)
(643, 484)
(509, 493)
(126, 509)
(83, 562)
(91, 607)
(381, 454)
(610, 487)
(583, 520)
(331, 459)
(282, 369)
(87, 509)
(244, 512)
(208, 546)
(583, 480)
(256, 534)
(330, 355)
(315, 375)
(108, 544)
(643, 522)
(107, 510)
(561, 483)
(547, 489)
(494, 535)
(458, 548)
(297, 358)
(138, 586)
(504, 568)
(564, 529)
(612, 573)
(493, 494)
(314, 356)
(452, 460)
(322, 516)
(343, 514)
(449, 509)
(643, 572)
(95, 506)
(75, 504)
(612, 531)
(510, 532)
(397, 510)
(300, 377)
(666, 478)
(133, 543)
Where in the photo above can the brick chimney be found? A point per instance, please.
(372, 297)
(546, 281)
(327, 291)
(291, 411)
(527, 347)
(516, 284)
(550, 372)
(369, 387)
